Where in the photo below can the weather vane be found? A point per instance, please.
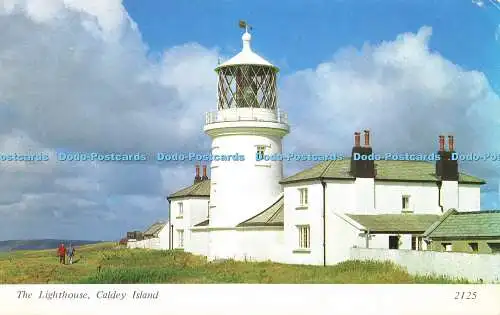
(245, 25)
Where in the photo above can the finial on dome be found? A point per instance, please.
(246, 38)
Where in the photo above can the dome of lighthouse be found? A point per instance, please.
(246, 56)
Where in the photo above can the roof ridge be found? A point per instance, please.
(275, 214)
(274, 203)
(436, 224)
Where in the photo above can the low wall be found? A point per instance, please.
(474, 267)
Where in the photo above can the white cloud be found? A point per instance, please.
(401, 90)
(76, 75)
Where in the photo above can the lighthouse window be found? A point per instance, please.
(261, 149)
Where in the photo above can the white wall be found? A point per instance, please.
(261, 244)
(341, 196)
(365, 195)
(163, 237)
(449, 195)
(250, 244)
(242, 189)
(198, 243)
(311, 216)
(341, 236)
(195, 210)
(382, 241)
(423, 197)
(223, 244)
(469, 197)
(456, 265)
(138, 244)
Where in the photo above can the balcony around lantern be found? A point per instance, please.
(247, 117)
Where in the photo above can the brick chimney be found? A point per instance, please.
(197, 177)
(357, 140)
(205, 176)
(367, 138)
(446, 168)
(362, 168)
(451, 144)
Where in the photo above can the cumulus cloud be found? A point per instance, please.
(404, 92)
(76, 75)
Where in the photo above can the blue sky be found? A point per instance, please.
(137, 76)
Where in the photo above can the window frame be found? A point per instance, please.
(405, 199)
(180, 210)
(445, 246)
(304, 234)
(180, 238)
(261, 148)
(303, 196)
(474, 246)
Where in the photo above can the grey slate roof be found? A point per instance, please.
(415, 171)
(460, 225)
(395, 223)
(272, 216)
(203, 223)
(154, 229)
(200, 189)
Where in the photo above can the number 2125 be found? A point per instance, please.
(465, 295)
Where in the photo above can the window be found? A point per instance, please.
(181, 210)
(405, 200)
(393, 242)
(180, 240)
(261, 150)
(414, 243)
(304, 237)
(474, 247)
(495, 248)
(303, 196)
(447, 247)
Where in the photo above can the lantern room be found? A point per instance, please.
(247, 80)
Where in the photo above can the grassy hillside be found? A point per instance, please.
(10, 245)
(106, 263)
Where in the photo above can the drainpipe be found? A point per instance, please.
(324, 221)
(169, 224)
(439, 183)
(367, 235)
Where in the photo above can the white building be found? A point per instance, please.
(247, 210)
(154, 237)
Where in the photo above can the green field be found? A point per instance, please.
(108, 263)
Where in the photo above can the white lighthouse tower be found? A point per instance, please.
(247, 121)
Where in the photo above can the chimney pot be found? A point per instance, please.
(367, 138)
(205, 172)
(357, 139)
(441, 143)
(451, 144)
(197, 171)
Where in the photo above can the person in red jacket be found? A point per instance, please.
(61, 252)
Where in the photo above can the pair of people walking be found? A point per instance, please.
(62, 252)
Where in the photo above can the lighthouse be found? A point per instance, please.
(247, 122)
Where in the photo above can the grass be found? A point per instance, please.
(106, 263)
